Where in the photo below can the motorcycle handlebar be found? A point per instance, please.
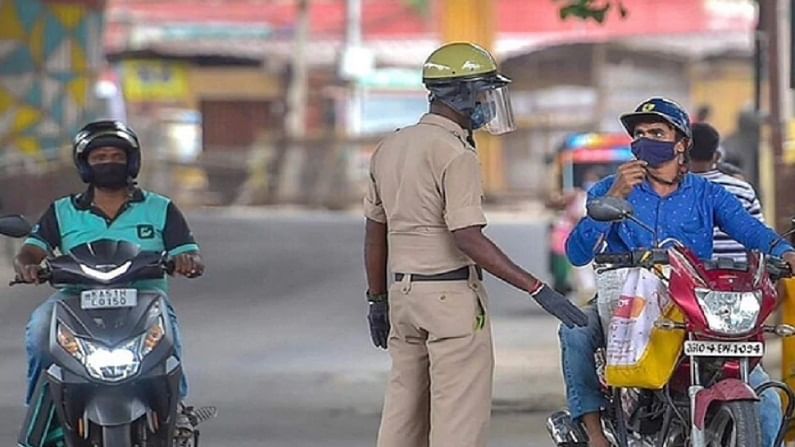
(169, 266)
(16, 281)
(43, 274)
(778, 268)
(637, 258)
(614, 258)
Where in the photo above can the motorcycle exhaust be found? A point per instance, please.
(564, 432)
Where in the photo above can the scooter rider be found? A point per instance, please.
(107, 155)
(677, 205)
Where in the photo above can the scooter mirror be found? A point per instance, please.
(609, 209)
(14, 226)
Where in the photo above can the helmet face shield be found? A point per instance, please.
(493, 111)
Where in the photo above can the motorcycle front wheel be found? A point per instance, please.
(733, 424)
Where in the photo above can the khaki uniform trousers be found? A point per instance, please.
(440, 385)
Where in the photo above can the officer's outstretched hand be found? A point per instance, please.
(558, 306)
(378, 317)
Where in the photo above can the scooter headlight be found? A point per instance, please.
(730, 313)
(111, 364)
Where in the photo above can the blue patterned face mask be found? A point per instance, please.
(655, 153)
(481, 115)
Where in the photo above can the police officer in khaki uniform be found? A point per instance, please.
(423, 209)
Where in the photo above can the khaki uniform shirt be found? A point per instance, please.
(425, 183)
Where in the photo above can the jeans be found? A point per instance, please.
(583, 392)
(37, 343)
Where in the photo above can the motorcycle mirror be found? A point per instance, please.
(609, 209)
(15, 226)
(781, 238)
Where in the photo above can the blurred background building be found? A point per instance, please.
(242, 102)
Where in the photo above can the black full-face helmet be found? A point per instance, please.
(105, 134)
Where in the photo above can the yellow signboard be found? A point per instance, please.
(155, 81)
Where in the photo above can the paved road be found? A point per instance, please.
(276, 337)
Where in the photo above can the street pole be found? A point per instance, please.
(783, 173)
(774, 88)
(350, 70)
(296, 94)
(353, 40)
(289, 175)
(783, 202)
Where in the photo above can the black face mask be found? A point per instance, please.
(109, 175)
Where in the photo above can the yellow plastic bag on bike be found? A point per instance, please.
(638, 354)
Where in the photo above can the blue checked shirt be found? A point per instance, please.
(688, 215)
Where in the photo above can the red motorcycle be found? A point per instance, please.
(708, 401)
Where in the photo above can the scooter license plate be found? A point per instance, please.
(724, 349)
(108, 298)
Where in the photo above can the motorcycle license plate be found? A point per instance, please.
(108, 298)
(724, 349)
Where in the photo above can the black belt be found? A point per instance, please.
(461, 274)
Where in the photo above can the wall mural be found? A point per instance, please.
(49, 56)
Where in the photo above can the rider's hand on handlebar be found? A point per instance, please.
(628, 176)
(790, 258)
(189, 265)
(28, 273)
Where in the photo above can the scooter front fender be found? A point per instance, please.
(109, 409)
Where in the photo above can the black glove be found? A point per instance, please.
(378, 317)
(558, 306)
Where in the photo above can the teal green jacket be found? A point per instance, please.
(149, 220)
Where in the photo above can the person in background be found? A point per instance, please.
(704, 158)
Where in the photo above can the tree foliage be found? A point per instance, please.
(596, 10)
(591, 9)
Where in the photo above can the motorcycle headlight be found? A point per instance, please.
(730, 313)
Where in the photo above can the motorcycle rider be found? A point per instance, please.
(107, 155)
(676, 204)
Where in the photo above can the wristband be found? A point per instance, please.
(534, 291)
(376, 298)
